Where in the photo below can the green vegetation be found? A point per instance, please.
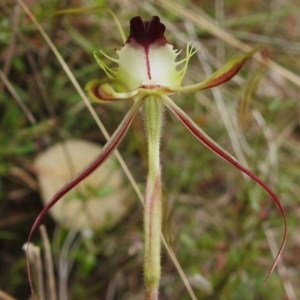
(221, 226)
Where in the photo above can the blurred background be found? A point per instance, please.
(223, 228)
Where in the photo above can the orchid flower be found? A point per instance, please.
(147, 71)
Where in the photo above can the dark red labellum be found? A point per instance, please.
(146, 33)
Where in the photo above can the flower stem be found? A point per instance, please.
(153, 117)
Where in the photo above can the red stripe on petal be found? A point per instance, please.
(145, 34)
(148, 63)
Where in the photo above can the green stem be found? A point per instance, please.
(153, 115)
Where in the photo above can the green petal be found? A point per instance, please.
(103, 92)
(220, 76)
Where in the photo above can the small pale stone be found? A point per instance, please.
(101, 200)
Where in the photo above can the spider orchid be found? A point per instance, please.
(148, 73)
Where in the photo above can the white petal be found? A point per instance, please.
(147, 66)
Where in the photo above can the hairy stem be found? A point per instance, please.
(153, 115)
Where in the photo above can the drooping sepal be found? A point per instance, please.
(217, 149)
(107, 150)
